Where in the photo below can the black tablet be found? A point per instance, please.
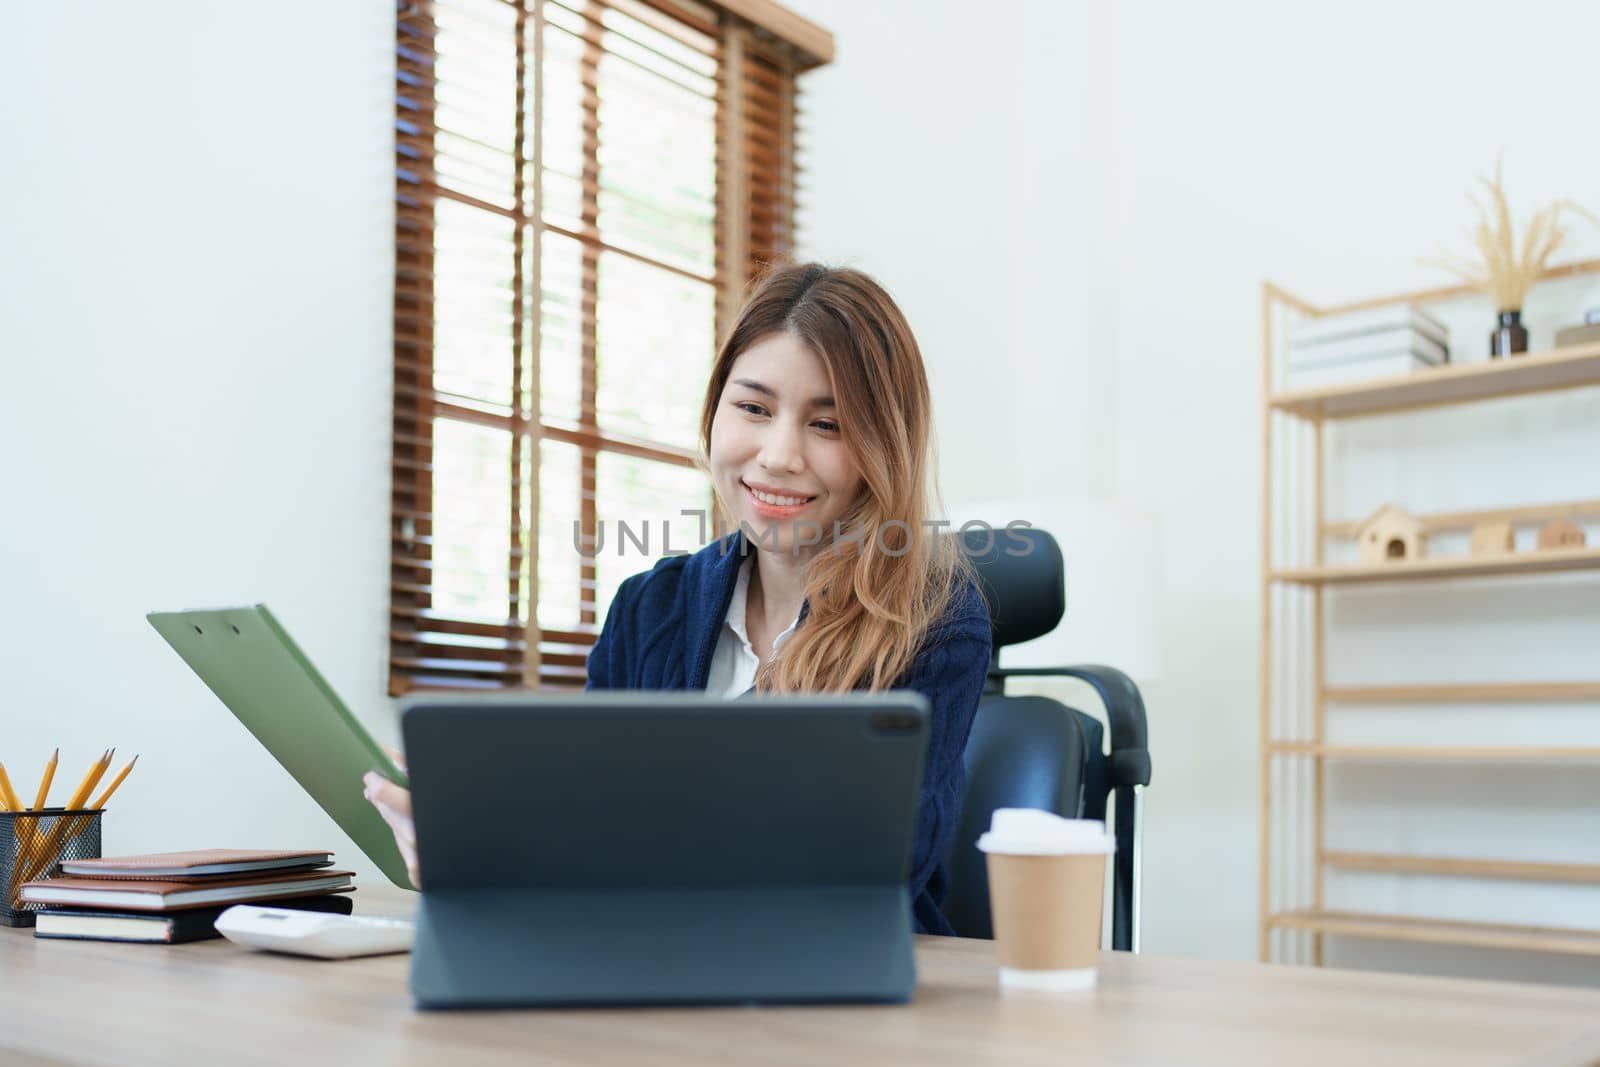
(647, 847)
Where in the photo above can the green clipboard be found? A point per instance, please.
(254, 667)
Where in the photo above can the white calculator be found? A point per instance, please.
(315, 933)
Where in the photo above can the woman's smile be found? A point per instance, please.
(773, 504)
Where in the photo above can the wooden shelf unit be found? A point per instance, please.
(1439, 931)
(1293, 735)
(1468, 693)
(1453, 383)
(1452, 866)
(1432, 522)
(1436, 753)
(1530, 562)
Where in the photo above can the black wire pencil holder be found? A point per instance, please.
(33, 845)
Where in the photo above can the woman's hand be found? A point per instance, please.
(394, 804)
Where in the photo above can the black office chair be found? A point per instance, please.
(1035, 752)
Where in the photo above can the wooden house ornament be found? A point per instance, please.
(1560, 533)
(1493, 538)
(1390, 535)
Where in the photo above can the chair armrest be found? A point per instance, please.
(1129, 770)
(1130, 752)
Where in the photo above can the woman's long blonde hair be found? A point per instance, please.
(876, 591)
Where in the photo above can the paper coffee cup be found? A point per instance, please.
(1046, 896)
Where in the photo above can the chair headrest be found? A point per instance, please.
(1023, 579)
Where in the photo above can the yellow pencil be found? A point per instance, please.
(6, 791)
(90, 777)
(49, 776)
(45, 852)
(100, 802)
(99, 772)
(82, 822)
(24, 829)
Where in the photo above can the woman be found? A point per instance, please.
(816, 434)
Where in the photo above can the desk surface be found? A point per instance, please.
(107, 1003)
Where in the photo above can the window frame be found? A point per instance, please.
(761, 50)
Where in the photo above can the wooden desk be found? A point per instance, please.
(106, 1003)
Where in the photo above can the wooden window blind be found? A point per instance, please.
(583, 191)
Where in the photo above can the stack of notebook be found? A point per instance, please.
(176, 896)
(1373, 343)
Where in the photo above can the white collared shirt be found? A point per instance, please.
(734, 662)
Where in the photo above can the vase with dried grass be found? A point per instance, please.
(1507, 268)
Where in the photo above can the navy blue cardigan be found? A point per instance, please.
(662, 629)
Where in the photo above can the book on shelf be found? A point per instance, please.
(171, 928)
(1375, 345)
(1371, 320)
(1578, 335)
(1387, 366)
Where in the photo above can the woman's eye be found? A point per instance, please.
(748, 408)
(826, 425)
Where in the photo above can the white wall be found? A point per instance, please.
(925, 168)
(196, 249)
(1327, 149)
(1077, 225)
(1158, 161)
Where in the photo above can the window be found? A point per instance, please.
(583, 190)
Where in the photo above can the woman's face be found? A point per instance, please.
(778, 459)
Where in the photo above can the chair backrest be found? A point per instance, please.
(1023, 580)
(1025, 751)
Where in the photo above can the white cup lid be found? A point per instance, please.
(1033, 832)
